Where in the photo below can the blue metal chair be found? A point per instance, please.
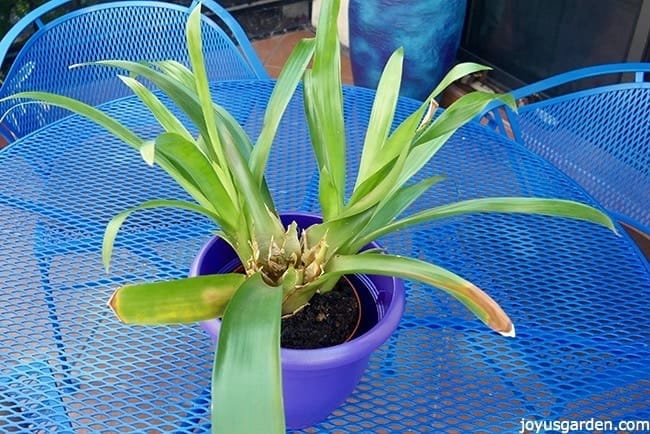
(599, 135)
(136, 30)
(133, 30)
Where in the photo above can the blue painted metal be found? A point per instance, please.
(428, 30)
(599, 136)
(576, 292)
(30, 401)
(134, 30)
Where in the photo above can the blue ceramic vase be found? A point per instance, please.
(429, 31)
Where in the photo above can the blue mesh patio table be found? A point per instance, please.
(576, 292)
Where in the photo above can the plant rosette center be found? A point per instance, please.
(328, 319)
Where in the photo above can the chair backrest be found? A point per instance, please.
(130, 30)
(599, 136)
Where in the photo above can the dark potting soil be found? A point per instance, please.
(327, 320)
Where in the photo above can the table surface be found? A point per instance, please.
(576, 292)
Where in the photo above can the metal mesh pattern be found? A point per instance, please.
(576, 292)
(602, 140)
(135, 31)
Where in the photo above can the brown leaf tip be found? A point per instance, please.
(112, 304)
(509, 332)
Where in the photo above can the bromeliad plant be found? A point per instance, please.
(223, 172)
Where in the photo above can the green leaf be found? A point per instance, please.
(185, 300)
(477, 301)
(184, 97)
(434, 137)
(460, 112)
(247, 378)
(240, 140)
(389, 208)
(283, 91)
(313, 120)
(385, 187)
(261, 215)
(116, 222)
(404, 134)
(187, 100)
(218, 122)
(418, 157)
(85, 110)
(183, 179)
(369, 187)
(324, 103)
(328, 195)
(291, 279)
(228, 123)
(521, 205)
(457, 72)
(177, 72)
(228, 153)
(114, 127)
(164, 116)
(195, 51)
(186, 155)
(381, 117)
(337, 232)
(375, 195)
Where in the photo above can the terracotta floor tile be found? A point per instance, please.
(264, 47)
(274, 71)
(284, 48)
(291, 39)
(274, 51)
(346, 67)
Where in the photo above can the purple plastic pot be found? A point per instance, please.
(315, 382)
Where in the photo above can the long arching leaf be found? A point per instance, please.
(405, 132)
(460, 112)
(85, 110)
(517, 205)
(116, 222)
(477, 301)
(120, 131)
(164, 116)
